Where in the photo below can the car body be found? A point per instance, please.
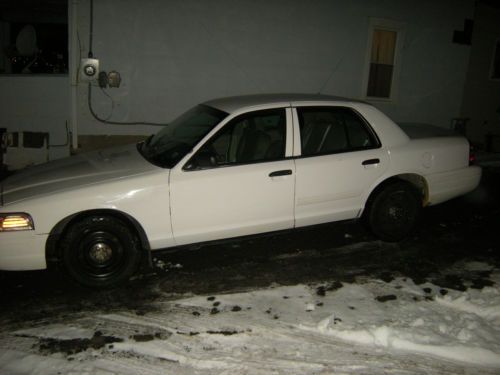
(230, 167)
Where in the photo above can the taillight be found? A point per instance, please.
(472, 156)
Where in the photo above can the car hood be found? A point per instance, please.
(73, 172)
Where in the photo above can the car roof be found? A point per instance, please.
(234, 103)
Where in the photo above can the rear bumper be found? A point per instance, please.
(448, 185)
(22, 251)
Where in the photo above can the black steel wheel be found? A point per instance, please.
(394, 211)
(100, 251)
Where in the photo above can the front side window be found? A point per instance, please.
(330, 130)
(254, 137)
(167, 147)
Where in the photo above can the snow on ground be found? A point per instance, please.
(367, 327)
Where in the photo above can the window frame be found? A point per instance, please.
(387, 25)
(298, 139)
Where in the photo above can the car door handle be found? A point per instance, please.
(284, 172)
(371, 161)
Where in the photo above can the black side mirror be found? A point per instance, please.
(202, 160)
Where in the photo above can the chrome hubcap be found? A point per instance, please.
(100, 253)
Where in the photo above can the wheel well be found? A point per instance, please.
(52, 255)
(415, 180)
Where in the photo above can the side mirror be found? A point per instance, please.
(202, 160)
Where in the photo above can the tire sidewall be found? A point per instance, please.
(74, 251)
(402, 198)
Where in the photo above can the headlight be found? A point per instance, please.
(15, 221)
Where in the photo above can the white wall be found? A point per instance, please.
(173, 54)
(38, 103)
(433, 68)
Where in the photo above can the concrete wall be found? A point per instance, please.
(38, 104)
(173, 54)
(482, 94)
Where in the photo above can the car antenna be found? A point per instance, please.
(334, 70)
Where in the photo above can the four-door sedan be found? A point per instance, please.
(227, 168)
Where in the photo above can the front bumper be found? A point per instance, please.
(22, 251)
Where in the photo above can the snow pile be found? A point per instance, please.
(60, 331)
(372, 326)
(460, 326)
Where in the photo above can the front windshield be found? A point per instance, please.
(167, 147)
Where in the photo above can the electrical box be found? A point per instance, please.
(89, 69)
(114, 79)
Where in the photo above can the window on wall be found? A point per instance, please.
(34, 37)
(37, 48)
(382, 63)
(382, 59)
(495, 65)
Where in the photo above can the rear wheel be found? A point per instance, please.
(100, 251)
(394, 211)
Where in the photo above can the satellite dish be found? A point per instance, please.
(26, 41)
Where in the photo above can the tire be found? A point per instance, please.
(394, 211)
(100, 252)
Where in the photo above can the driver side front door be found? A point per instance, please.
(238, 183)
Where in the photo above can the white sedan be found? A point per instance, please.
(227, 168)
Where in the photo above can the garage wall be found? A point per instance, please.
(36, 104)
(173, 54)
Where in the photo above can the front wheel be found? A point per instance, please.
(393, 212)
(100, 251)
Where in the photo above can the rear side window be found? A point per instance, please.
(330, 130)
